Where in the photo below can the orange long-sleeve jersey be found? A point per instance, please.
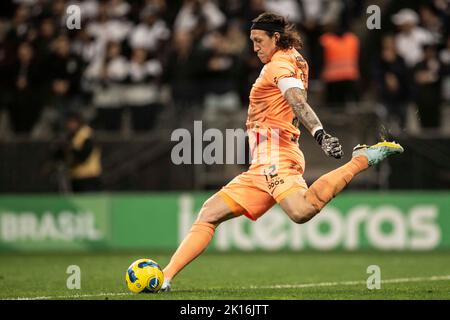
(271, 124)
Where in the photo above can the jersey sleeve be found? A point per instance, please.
(279, 69)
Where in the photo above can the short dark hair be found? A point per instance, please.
(289, 37)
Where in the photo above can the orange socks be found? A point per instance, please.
(329, 185)
(190, 248)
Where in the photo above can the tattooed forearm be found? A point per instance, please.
(296, 98)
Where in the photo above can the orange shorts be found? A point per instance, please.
(255, 191)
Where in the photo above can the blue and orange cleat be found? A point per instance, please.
(378, 152)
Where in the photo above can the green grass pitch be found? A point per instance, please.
(262, 275)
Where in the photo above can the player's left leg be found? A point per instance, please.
(303, 204)
(238, 197)
(213, 212)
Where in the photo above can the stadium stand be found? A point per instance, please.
(136, 70)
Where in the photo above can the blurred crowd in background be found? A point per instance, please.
(139, 57)
(83, 98)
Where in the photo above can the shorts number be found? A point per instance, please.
(270, 172)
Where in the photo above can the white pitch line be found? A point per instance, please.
(349, 283)
(281, 286)
(73, 296)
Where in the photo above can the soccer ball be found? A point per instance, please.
(144, 275)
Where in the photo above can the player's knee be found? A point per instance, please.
(208, 213)
(301, 216)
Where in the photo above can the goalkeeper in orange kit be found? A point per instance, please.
(277, 105)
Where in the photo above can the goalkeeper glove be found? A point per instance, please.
(330, 145)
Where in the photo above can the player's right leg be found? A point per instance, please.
(302, 205)
(363, 157)
(213, 212)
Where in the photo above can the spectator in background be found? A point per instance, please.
(237, 45)
(151, 34)
(85, 46)
(65, 70)
(236, 38)
(392, 83)
(81, 155)
(444, 56)
(159, 6)
(428, 95)
(26, 102)
(45, 37)
(285, 8)
(4, 65)
(57, 9)
(232, 9)
(142, 94)
(20, 26)
(252, 9)
(182, 71)
(311, 27)
(89, 8)
(166, 10)
(411, 38)
(315, 15)
(193, 11)
(432, 23)
(118, 8)
(106, 28)
(105, 77)
(340, 66)
(223, 49)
